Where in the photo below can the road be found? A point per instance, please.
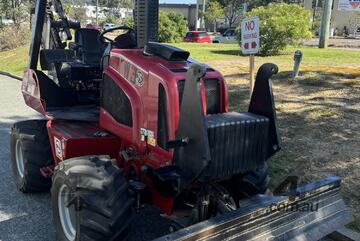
(337, 42)
(27, 217)
(22, 217)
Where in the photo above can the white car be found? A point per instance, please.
(7, 21)
(108, 26)
(228, 37)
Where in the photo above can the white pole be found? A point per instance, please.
(97, 11)
(202, 14)
(197, 15)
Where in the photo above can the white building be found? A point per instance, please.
(120, 12)
(339, 19)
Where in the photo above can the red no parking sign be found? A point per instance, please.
(250, 35)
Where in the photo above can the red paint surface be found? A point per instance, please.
(31, 91)
(197, 38)
(78, 138)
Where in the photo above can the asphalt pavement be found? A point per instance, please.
(22, 217)
(28, 217)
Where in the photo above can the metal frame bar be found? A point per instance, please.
(40, 11)
(261, 218)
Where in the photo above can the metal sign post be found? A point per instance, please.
(250, 35)
(252, 72)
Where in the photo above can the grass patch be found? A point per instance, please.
(14, 61)
(323, 113)
(205, 52)
(315, 56)
(354, 83)
(312, 55)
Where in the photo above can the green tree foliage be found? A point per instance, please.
(109, 18)
(114, 3)
(281, 25)
(16, 10)
(257, 3)
(172, 27)
(213, 12)
(75, 13)
(232, 10)
(128, 22)
(354, 23)
(126, 3)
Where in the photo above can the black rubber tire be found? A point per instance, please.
(249, 184)
(36, 151)
(105, 206)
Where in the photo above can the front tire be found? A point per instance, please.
(90, 200)
(30, 150)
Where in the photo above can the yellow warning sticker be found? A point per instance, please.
(148, 136)
(151, 141)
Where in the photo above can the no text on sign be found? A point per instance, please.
(250, 35)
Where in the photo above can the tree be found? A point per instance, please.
(109, 18)
(17, 10)
(126, 4)
(251, 4)
(172, 27)
(281, 25)
(354, 23)
(213, 12)
(232, 10)
(128, 22)
(75, 13)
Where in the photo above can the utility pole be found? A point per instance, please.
(202, 25)
(314, 6)
(325, 24)
(97, 12)
(197, 15)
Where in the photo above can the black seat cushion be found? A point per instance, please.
(89, 48)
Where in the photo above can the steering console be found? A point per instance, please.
(126, 40)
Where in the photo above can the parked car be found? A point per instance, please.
(229, 37)
(5, 21)
(108, 26)
(93, 26)
(197, 37)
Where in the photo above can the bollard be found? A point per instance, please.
(297, 60)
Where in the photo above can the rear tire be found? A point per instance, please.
(98, 190)
(30, 150)
(249, 184)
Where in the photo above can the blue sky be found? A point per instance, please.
(177, 1)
